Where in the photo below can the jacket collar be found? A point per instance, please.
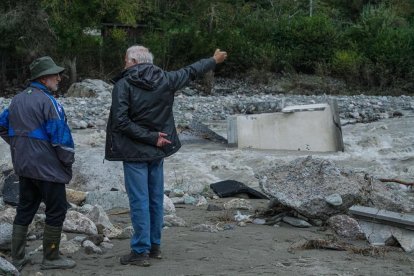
(40, 86)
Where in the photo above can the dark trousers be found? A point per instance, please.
(32, 193)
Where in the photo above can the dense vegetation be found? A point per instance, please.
(365, 42)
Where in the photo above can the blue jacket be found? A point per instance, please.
(36, 128)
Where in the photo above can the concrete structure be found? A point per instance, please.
(313, 127)
(382, 226)
(383, 216)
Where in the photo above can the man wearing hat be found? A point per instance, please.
(42, 152)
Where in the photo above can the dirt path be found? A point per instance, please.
(249, 250)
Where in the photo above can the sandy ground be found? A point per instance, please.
(249, 250)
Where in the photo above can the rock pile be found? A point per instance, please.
(87, 103)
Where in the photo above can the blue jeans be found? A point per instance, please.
(144, 183)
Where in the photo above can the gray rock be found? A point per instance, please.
(100, 122)
(92, 175)
(84, 209)
(169, 207)
(259, 221)
(189, 200)
(173, 220)
(6, 231)
(107, 245)
(78, 223)
(10, 188)
(127, 233)
(79, 124)
(6, 227)
(390, 199)
(201, 201)
(177, 200)
(91, 248)
(229, 226)
(345, 227)
(296, 222)
(100, 218)
(89, 88)
(334, 199)
(177, 193)
(7, 268)
(69, 247)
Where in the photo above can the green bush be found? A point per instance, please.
(303, 42)
(387, 45)
(347, 64)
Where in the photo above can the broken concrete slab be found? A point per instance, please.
(383, 216)
(307, 127)
(380, 234)
(303, 185)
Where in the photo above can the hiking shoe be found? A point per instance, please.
(155, 252)
(134, 258)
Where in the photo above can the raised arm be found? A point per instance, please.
(180, 78)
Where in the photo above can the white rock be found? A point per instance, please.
(79, 223)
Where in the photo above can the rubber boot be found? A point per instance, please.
(51, 257)
(18, 246)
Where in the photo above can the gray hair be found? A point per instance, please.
(140, 54)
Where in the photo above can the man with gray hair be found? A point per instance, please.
(141, 132)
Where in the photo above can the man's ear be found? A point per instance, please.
(42, 80)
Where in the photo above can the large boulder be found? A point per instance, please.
(10, 188)
(108, 199)
(89, 88)
(91, 173)
(6, 228)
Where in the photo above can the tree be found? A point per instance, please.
(22, 40)
(71, 19)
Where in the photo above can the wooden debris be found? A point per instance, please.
(342, 246)
(323, 244)
(119, 213)
(396, 181)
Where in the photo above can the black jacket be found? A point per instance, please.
(142, 106)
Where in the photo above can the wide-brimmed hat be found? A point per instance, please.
(44, 66)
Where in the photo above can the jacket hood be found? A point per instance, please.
(144, 75)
